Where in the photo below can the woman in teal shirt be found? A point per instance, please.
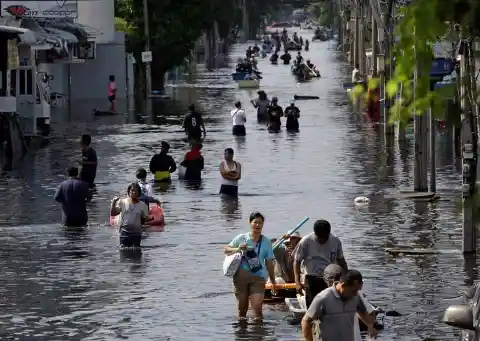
(257, 265)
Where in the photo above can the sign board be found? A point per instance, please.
(441, 67)
(39, 9)
(147, 56)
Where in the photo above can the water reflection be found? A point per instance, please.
(245, 331)
(470, 268)
(230, 208)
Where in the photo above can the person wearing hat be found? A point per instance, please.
(292, 113)
(274, 114)
(193, 162)
(193, 124)
(261, 104)
(317, 250)
(239, 119)
(284, 258)
(162, 164)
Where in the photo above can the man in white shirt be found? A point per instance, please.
(239, 118)
(356, 76)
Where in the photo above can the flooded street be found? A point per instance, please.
(59, 284)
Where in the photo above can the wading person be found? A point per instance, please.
(133, 213)
(112, 92)
(193, 162)
(292, 113)
(261, 104)
(194, 125)
(73, 194)
(317, 250)
(89, 161)
(146, 189)
(162, 164)
(274, 114)
(257, 265)
(335, 309)
(231, 172)
(239, 119)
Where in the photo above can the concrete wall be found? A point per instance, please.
(99, 15)
(89, 80)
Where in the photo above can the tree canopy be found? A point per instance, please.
(419, 25)
(175, 27)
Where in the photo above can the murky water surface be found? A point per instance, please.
(58, 284)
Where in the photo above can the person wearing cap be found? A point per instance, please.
(261, 104)
(146, 189)
(239, 118)
(317, 250)
(274, 114)
(284, 258)
(162, 164)
(193, 162)
(193, 124)
(292, 113)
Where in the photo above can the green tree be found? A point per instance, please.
(175, 27)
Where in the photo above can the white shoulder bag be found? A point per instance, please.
(231, 264)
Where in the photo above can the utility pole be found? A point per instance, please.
(374, 45)
(469, 148)
(356, 39)
(420, 172)
(246, 28)
(433, 157)
(147, 59)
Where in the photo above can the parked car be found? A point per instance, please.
(466, 316)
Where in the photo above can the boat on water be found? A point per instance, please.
(291, 45)
(280, 26)
(155, 225)
(283, 291)
(249, 84)
(297, 306)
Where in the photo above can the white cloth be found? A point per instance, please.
(370, 309)
(355, 75)
(278, 280)
(146, 188)
(238, 117)
(228, 169)
(131, 214)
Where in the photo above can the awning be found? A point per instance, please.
(26, 36)
(76, 29)
(67, 36)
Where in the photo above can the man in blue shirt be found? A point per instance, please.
(73, 194)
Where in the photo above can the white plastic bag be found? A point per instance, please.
(181, 172)
(231, 264)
